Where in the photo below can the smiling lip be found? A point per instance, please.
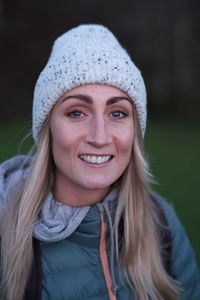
(95, 159)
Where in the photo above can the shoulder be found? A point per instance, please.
(12, 171)
(183, 267)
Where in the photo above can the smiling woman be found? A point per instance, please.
(79, 219)
(92, 137)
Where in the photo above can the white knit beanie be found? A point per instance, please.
(86, 54)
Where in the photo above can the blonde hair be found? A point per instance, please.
(140, 256)
(17, 222)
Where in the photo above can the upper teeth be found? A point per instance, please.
(95, 159)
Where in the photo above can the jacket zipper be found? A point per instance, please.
(104, 259)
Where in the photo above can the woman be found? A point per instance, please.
(79, 220)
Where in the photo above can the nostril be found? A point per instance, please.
(99, 138)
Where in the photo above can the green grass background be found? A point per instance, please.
(173, 151)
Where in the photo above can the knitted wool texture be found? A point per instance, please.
(86, 54)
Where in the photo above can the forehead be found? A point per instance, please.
(96, 91)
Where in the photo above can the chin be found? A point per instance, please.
(97, 185)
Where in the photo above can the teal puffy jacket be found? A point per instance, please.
(72, 267)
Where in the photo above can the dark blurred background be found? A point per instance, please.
(162, 38)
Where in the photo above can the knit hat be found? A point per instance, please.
(86, 54)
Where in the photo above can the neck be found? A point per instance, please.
(77, 196)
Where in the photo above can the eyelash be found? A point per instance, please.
(72, 114)
(119, 112)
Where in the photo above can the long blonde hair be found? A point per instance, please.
(17, 221)
(140, 256)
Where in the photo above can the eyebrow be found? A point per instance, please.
(89, 100)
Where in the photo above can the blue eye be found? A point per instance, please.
(118, 114)
(75, 114)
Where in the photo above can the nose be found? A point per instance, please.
(99, 134)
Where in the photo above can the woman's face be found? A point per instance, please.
(92, 134)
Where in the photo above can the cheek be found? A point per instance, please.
(60, 147)
(62, 150)
(57, 140)
(125, 141)
(62, 137)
